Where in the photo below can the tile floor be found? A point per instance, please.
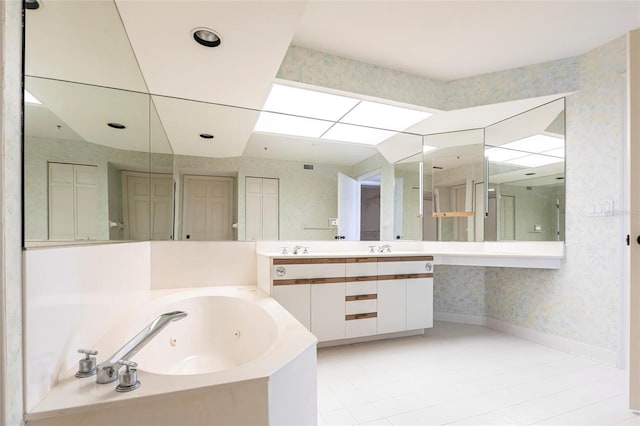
(466, 375)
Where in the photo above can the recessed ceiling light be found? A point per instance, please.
(206, 37)
(31, 4)
(206, 136)
(560, 178)
(117, 126)
(529, 174)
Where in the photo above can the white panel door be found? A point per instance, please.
(296, 299)
(348, 208)
(392, 306)
(270, 209)
(328, 311)
(253, 209)
(61, 202)
(207, 213)
(261, 209)
(137, 225)
(86, 202)
(73, 202)
(161, 207)
(419, 303)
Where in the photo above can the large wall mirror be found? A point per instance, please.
(108, 159)
(526, 194)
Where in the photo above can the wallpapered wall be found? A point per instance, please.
(579, 301)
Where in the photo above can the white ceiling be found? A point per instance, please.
(84, 40)
(451, 39)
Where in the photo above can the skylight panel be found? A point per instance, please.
(269, 122)
(534, 160)
(308, 103)
(556, 152)
(30, 99)
(427, 148)
(357, 134)
(384, 116)
(536, 144)
(501, 155)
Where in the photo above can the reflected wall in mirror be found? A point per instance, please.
(82, 144)
(526, 195)
(408, 216)
(455, 164)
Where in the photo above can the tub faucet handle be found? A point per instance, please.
(87, 365)
(128, 379)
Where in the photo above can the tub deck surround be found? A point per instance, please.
(283, 341)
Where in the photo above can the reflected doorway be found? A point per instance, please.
(370, 208)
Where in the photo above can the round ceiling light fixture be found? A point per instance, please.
(206, 136)
(31, 4)
(529, 174)
(116, 126)
(206, 37)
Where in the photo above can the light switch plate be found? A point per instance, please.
(600, 208)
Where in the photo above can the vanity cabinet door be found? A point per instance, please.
(392, 306)
(296, 299)
(328, 311)
(419, 303)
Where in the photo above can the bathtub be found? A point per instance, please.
(238, 357)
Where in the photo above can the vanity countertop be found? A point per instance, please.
(543, 255)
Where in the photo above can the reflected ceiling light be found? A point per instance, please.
(427, 148)
(556, 152)
(206, 136)
(30, 99)
(500, 155)
(535, 160)
(308, 103)
(269, 122)
(116, 126)
(374, 122)
(529, 174)
(206, 37)
(356, 134)
(384, 116)
(536, 144)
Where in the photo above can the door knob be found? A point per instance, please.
(638, 239)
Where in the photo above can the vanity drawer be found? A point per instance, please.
(408, 267)
(361, 327)
(288, 272)
(361, 306)
(362, 287)
(355, 269)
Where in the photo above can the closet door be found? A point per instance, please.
(261, 209)
(73, 202)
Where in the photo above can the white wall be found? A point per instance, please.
(72, 296)
(11, 383)
(578, 302)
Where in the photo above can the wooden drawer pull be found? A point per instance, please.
(361, 297)
(361, 316)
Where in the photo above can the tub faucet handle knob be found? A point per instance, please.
(87, 365)
(128, 379)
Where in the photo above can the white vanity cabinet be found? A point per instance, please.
(405, 282)
(340, 298)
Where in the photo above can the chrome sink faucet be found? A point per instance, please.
(385, 248)
(296, 249)
(107, 371)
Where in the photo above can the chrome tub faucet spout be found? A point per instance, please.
(107, 371)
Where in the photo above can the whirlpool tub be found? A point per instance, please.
(237, 358)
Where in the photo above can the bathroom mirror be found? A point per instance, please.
(455, 163)
(526, 176)
(82, 143)
(408, 197)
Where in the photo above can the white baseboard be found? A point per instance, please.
(460, 318)
(556, 342)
